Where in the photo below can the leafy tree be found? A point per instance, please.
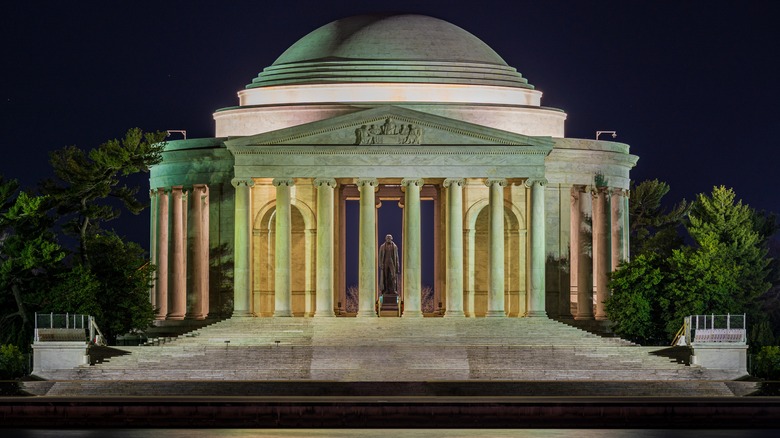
(29, 255)
(736, 232)
(123, 276)
(726, 271)
(88, 181)
(12, 363)
(653, 229)
(634, 306)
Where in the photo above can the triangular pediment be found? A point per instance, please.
(388, 126)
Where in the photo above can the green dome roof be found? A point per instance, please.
(390, 48)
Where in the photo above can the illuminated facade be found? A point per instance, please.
(401, 108)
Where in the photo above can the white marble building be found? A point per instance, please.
(388, 108)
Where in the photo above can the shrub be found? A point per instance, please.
(767, 363)
(11, 362)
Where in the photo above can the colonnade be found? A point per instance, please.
(367, 241)
(598, 248)
(180, 228)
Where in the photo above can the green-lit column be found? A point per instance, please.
(411, 248)
(161, 287)
(282, 253)
(536, 301)
(367, 251)
(616, 227)
(177, 299)
(496, 274)
(241, 256)
(602, 248)
(325, 188)
(454, 247)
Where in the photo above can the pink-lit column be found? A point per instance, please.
(161, 286)
(178, 292)
(584, 259)
(198, 240)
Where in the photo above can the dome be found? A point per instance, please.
(390, 49)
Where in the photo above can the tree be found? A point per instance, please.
(634, 306)
(87, 181)
(124, 277)
(652, 228)
(29, 256)
(725, 271)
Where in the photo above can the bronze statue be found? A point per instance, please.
(389, 268)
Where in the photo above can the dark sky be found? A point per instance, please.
(691, 86)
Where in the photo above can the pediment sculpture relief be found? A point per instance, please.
(389, 132)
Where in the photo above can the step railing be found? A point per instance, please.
(717, 328)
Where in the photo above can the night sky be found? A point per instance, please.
(691, 86)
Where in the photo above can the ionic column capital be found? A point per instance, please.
(328, 182)
(531, 181)
(287, 182)
(362, 182)
(247, 182)
(453, 181)
(617, 191)
(493, 181)
(406, 182)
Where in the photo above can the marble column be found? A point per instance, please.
(367, 266)
(602, 249)
(242, 280)
(584, 259)
(178, 276)
(616, 227)
(537, 298)
(325, 187)
(198, 235)
(495, 306)
(161, 288)
(454, 247)
(412, 249)
(574, 239)
(282, 249)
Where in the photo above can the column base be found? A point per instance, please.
(175, 317)
(584, 318)
(601, 318)
(454, 314)
(495, 314)
(536, 314)
(242, 314)
(412, 314)
(364, 314)
(195, 317)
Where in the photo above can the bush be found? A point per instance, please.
(767, 363)
(11, 362)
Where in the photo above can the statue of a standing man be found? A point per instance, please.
(388, 266)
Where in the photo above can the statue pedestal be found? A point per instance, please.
(390, 305)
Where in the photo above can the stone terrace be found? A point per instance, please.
(528, 352)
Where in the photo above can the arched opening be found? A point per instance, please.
(477, 266)
(302, 259)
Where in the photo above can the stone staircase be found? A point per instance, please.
(353, 350)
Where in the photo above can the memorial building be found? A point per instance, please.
(388, 109)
